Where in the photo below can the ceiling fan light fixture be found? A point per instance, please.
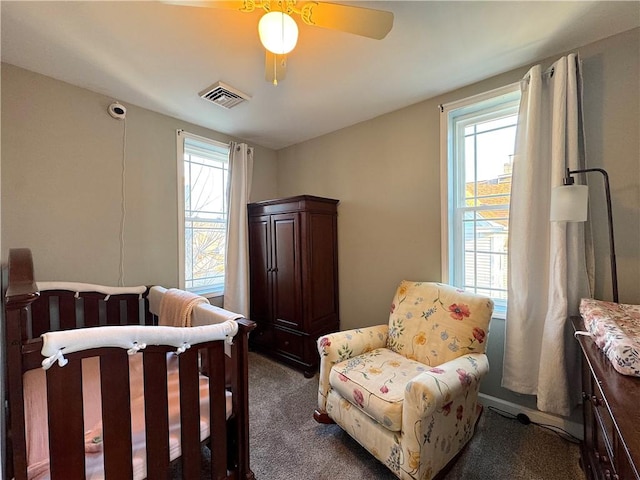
(278, 32)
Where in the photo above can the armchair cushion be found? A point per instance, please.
(375, 382)
(434, 323)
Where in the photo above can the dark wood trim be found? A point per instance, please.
(611, 446)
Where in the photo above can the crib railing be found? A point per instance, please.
(30, 313)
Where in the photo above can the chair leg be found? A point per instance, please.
(322, 417)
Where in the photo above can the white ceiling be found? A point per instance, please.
(159, 56)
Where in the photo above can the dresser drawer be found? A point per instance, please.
(289, 342)
(611, 448)
(261, 336)
(605, 428)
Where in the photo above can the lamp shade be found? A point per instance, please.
(278, 32)
(569, 203)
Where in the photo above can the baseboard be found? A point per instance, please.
(536, 416)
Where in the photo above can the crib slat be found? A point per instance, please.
(40, 315)
(190, 413)
(67, 308)
(217, 411)
(148, 316)
(116, 414)
(133, 310)
(91, 309)
(66, 421)
(156, 408)
(113, 311)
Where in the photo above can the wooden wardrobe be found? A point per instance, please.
(293, 257)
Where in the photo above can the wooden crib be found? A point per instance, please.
(204, 367)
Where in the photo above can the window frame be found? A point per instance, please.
(451, 178)
(181, 136)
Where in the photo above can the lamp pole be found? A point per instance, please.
(568, 180)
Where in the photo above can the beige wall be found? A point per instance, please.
(61, 180)
(61, 157)
(386, 173)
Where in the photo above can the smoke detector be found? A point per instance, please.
(223, 95)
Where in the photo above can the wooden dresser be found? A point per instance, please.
(293, 258)
(611, 447)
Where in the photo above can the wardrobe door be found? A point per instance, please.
(285, 269)
(260, 281)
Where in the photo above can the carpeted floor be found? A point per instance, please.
(287, 443)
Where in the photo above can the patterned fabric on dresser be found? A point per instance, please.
(407, 391)
(615, 328)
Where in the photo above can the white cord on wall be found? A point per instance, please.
(123, 201)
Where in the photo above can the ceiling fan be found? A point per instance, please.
(279, 31)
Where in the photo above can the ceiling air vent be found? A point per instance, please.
(224, 95)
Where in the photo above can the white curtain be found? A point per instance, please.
(236, 278)
(547, 266)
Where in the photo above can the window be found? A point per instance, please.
(478, 141)
(203, 174)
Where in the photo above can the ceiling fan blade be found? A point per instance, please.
(275, 67)
(241, 6)
(357, 20)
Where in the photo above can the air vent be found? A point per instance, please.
(224, 95)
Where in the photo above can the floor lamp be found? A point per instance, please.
(569, 204)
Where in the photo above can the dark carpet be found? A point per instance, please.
(288, 444)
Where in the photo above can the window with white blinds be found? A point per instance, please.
(478, 143)
(203, 170)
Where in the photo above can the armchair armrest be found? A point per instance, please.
(437, 387)
(440, 408)
(340, 346)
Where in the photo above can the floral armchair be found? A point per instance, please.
(407, 391)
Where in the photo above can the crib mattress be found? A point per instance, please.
(615, 328)
(36, 418)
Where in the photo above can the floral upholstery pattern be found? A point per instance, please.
(407, 391)
(375, 382)
(434, 323)
(615, 328)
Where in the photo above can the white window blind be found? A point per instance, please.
(203, 167)
(478, 141)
